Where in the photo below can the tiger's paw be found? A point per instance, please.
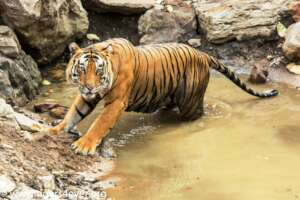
(54, 130)
(85, 145)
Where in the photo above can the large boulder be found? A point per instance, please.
(231, 19)
(291, 46)
(119, 6)
(45, 26)
(19, 74)
(167, 25)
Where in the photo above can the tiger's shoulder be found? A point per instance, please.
(112, 41)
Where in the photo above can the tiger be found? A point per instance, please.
(143, 79)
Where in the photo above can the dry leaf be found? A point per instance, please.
(281, 29)
(91, 36)
(46, 82)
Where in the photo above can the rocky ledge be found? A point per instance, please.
(46, 168)
(46, 27)
(119, 6)
(19, 74)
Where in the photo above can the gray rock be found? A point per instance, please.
(24, 192)
(6, 111)
(47, 182)
(46, 26)
(194, 42)
(19, 74)
(106, 184)
(7, 185)
(119, 6)
(7, 115)
(51, 195)
(230, 19)
(20, 79)
(9, 44)
(291, 46)
(259, 72)
(158, 26)
(28, 124)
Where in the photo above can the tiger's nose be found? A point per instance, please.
(89, 87)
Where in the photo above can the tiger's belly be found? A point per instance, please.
(148, 103)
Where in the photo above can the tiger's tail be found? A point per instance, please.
(215, 64)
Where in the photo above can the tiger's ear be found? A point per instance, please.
(73, 47)
(108, 48)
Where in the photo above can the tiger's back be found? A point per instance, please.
(169, 74)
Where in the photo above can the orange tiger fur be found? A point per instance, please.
(143, 79)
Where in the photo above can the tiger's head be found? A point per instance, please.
(90, 69)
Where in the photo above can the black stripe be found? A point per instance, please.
(163, 75)
(144, 92)
(177, 57)
(79, 112)
(154, 88)
(169, 90)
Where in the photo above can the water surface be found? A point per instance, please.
(244, 148)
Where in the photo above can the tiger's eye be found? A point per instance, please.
(82, 67)
(99, 71)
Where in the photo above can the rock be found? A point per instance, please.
(293, 68)
(21, 79)
(9, 44)
(55, 110)
(58, 112)
(47, 27)
(294, 10)
(175, 2)
(227, 20)
(120, 6)
(19, 74)
(44, 107)
(158, 26)
(106, 184)
(27, 123)
(51, 195)
(107, 149)
(6, 111)
(7, 185)
(25, 193)
(259, 73)
(47, 183)
(7, 114)
(194, 42)
(291, 46)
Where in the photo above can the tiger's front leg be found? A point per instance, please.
(87, 144)
(78, 111)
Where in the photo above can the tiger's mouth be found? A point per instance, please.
(88, 92)
(89, 95)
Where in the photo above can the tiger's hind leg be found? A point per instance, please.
(190, 102)
(190, 97)
(192, 111)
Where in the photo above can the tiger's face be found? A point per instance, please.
(91, 70)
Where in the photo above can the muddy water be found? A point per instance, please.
(244, 148)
